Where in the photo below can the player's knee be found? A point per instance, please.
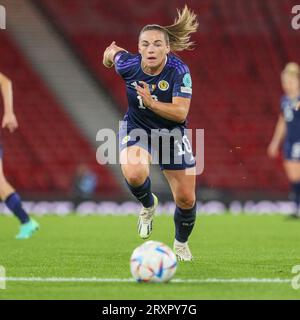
(136, 177)
(185, 200)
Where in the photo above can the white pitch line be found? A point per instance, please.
(111, 280)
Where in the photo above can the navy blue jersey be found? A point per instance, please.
(292, 118)
(173, 81)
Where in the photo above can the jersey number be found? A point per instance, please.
(141, 105)
(187, 146)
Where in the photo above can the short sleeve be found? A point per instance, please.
(125, 62)
(183, 84)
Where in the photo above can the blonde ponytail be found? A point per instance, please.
(178, 34)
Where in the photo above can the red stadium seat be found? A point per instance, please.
(43, 154)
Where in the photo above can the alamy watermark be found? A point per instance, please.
(2, 17)
(2, 278)
(296, 279)
(296, 19)
(168, 148)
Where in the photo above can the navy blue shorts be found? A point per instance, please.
(171, 150)
(291, 150)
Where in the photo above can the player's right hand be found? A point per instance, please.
(10, 122)
(109, 54)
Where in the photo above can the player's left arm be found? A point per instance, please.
(176, 111)
(9, 119)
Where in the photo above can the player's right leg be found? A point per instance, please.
(13, 201)
(135, 162)
(292, 169)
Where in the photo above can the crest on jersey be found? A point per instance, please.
(187, 80)
(163, 85)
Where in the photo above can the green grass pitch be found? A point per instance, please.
(225, 247)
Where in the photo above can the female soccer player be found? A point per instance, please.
(288, 129)
(159, 90)
(7, 192)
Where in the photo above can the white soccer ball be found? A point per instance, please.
(153, 261)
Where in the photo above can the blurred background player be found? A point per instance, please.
(7, 192)
(288, 130)
(159, 90)
(84, 184)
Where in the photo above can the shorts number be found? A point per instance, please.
(187, 146)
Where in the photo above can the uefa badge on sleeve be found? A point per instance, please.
(187, 80)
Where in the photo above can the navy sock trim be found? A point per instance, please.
(143, 193)
(9, 197)
(184, 222)
(13, 202)
(296, 191)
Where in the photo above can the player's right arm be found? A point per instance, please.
(9, 119)
(6, 90)
(279, 135)
(110, 53)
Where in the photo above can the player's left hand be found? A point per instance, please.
(297, 106)
(10, 122)
(144, 92)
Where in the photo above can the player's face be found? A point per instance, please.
(290, 84)
(153, 48)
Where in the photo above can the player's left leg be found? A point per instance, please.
(292, 169)
(183, 184)
(13, 201)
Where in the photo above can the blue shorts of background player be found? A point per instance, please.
(291, 150)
